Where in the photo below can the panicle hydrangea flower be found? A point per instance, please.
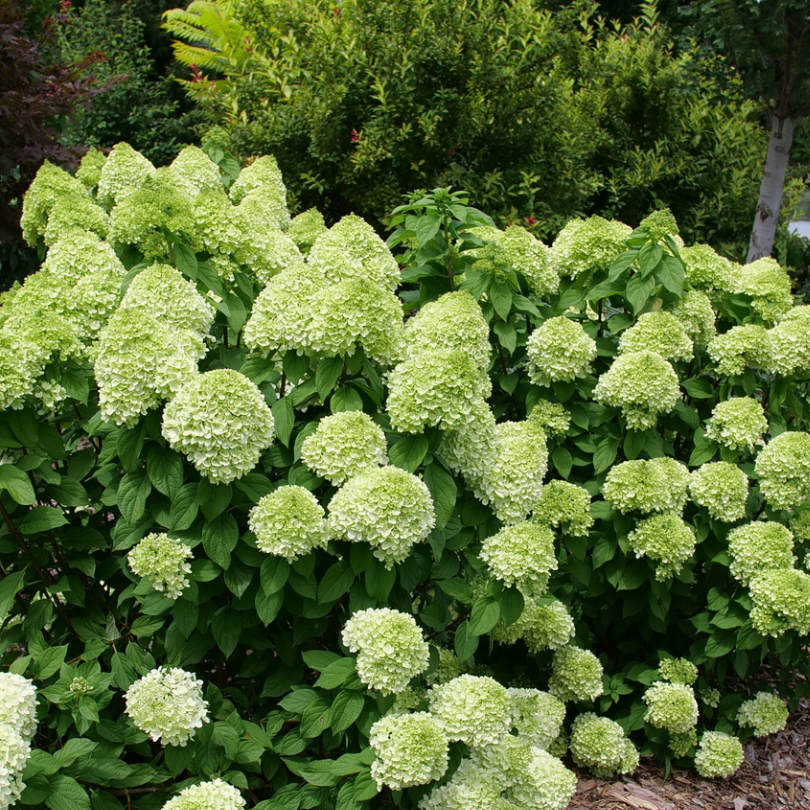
(138, 364)
(124, 171)
(697, 316)
(741, 346)
(769, 285)
(665, 538)
(672, 706)
(162, 560)
(722, 488)
(783, 470)
(449, 667)
(789, 343)
(452, 323)
(591, 244)
(344, 445)
(706, 270)
(660, 332)
(514, 482)
(661, 223)
(263, 179)
(306, 228)
(19, 368)
(75, 212)
(213, 795)
(781, 602)
(552, 417)
(353, 313)
(92, 303)
(411, 749)
(718, 754)
(643, 384)
(472, 785)
(546, 785)
(18, 704)
(521, 555)
(219, 226)
(90, 166)
(765, 712)
(711, 697)
(537, 716)
(351, 251)
(800, 525)
(469, 449)
(681, 744)
(576, 675)
(192, 170)
(390, 648)
(50, 185)
(657, 485)
(566, 506)
(388, 508)
(435, 387)
(221, 422)
(288, 523)
(167, 295)
(737, 423)
(504, 761)
(282, 314)
(475, 710)
(167, 704)
(268, 251)
(599, 744)
(14, 754)
(559, 350)
(678, 670)
(542, 627)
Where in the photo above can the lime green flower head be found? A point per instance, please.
(697, 316)
(658, 485)
(718, 754)
(521, 555)
(678, 670)
(50, 185)
(89, 171)
(262, 181)
(672, 706)
(599, 744)
(706, 270)
(192, 171)
(551, 416)
(566, 506)
(758, 547)
(124, 171)
(288, 523)
(738, 424)
(559, 350)
(18, 704)
(781, 602)
(545, 785)
(475, 710)
(586, 245)
(163, 561)
(661, 223)
(542, 627)
(213, 795)
(576, 675)
(783, 470)
(537, 716)
(15, 752)
(660, 332)
(306, 228)
(769, 286)
(75, 212)
(722, 488)
(268, 251)
(740, 348)
(219, 226)
(765, 712)
(667, 540)
(789, 343)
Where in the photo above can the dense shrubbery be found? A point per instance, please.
(267, 542)
(539, 115)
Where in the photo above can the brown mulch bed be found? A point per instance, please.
(774, 776)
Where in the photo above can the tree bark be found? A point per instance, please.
(770, 191)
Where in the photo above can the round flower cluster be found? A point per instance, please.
(769, 286)
(678, 670)
(665, 538)
(449, 667)
(658, 485)
(542, 627)
(470, 448)
(781, 602)
(537, 716)
(546, 785)
(697, 316)
(552, 417)
(722, 488)
(758, 547)
(783, 470)
(75, 213)
(262, 180)
(766, 713)
(660, 332)
(288, 523)
(453, 323)
(588, 245)
(681, 744)
(576, 675)
(390, 648)
(123, 172)
(50, 185)
(90, 166)
(388, 508)
(599, 745)
(642, 384)
(661, 223)
(344, 445)
(559, 350)
(162, 560)
(306, 228)
(472, 785)
(513, 483)
(789, 343)
(566, 506)
(221, 422)
(269, 250)
(351, 250)
(741, 346)
(521, 251)
(411, 749)
(521, 555)
(167, 704)
(800, 525)
(718, 755)
(430, 388)
(737, 423)
(475, 710)
(19, 367)
(213, 795)
(192, 171)
(706, 270)
(219, 227)
(672, 706)
(14, 754)
(18, 704)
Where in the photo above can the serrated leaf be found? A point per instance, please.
(465, 642)
(267, 607)
(165, 470)
(274, 574)
(17, 484)
(185, 260)
(219, 537)
(484, 616)
(227, 627)
(41, 519)
(336, 581)
(184, 509)
(327, 374)
(10, 586)
(67, 794)
(511, 605)
(443, 490)
(506, 335)
(336, 673)
(133, 491)
(409, 452)
(500, 297)
(605, 454)
(284, 417)
(638, 291)
(346, 708)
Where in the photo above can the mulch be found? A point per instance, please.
(774, 776)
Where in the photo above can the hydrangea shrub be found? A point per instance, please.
(291, 521)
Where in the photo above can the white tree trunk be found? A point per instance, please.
(770, 192)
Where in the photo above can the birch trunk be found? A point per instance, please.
(770, 191)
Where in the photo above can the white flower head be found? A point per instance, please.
(163, 561)
(213, 795)
(18, 704)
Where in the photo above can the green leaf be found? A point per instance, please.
(699, 388)
(409, 452)
(274, 574)
(284, 417)
(17, 484)
(319, 660)
(346, 708)
(336, 581)
(670, 273)
(227, 737)
(506, 335)
(704, 451)
(237, 313)
(563, 461)
(379, 581)
(457, 588)
(638, 291)
(364, 787)
(465, 642)
(133, 491)
(67, 794)
(484, 616)
(476, 283)
(443, 491)
(227, 627)
(327, 375)
(41, 519)
(605, 454)
(214, 498)
(336, 673)
(185, 260)
(501, 298)
(295, 365)
(511, 605)
(720, 643)
(219, 537)
(426, 228)
(648, 258)
(184, 508)
(345, 399)
(48, 661)
(10, 586)
(267, 607)
(634, 443)
(165, 470)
